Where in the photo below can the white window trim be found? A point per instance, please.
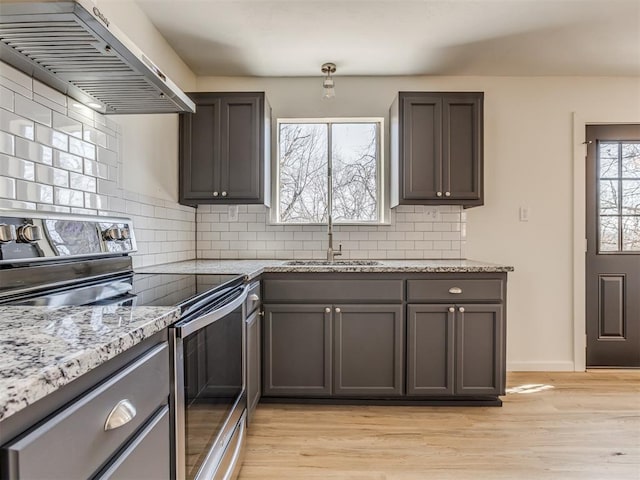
(383, 208)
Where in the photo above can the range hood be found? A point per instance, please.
(72, 47)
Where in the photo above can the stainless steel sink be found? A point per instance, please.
(362, 263)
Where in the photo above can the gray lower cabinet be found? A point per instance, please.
(75, 438)
(368, 350)
(455, 350)
(254, 361)
(297, 350)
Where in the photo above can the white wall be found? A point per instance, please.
(528, 162)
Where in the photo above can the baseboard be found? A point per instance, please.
(540, 367)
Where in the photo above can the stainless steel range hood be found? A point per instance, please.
(72, 47)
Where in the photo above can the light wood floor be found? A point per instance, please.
(586, 427)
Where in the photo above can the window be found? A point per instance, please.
(329, 166)
(619, 196)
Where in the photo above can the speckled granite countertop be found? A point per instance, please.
(253, 268)
(43, 348)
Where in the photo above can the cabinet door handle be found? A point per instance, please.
(455, 290)
(253, 297)
(451, 309)
(338, 310)
(224, 194)
(215, 194)
(461, 309)
(327, 310)
(120, 415)
(438, 194)
(447, 194)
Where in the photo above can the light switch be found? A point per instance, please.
(524, 214)
(233, 213)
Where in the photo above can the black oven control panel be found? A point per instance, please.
(27, 236)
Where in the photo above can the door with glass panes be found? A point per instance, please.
(613, 246)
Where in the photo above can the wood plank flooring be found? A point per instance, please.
(581, 426)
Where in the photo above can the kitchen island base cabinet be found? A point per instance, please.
(297, 350)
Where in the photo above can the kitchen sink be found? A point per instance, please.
(362, 263)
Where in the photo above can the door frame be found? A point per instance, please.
(580, 122)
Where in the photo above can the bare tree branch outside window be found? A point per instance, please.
(304, 166)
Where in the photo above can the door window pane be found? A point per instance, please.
(608, 157)
(609, 234)
(631, 197)
(303, 193)
(631, 160)
(355, 184)
(631, 234)
(609, 197)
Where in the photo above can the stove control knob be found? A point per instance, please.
(7, 233)
(29, 233)
(112, 233)
(125, 234)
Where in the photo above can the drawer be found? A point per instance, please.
(147, 456)
(334, 291)
(73, 444)
(453, 291)
(253, 298)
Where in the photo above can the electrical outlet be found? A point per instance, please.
(233, 213)
(524, 214)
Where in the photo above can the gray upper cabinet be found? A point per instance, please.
(225, 149)
(437, 148)
(368, 350)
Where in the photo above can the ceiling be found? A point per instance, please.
(419, 37)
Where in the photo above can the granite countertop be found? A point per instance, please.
(44, 348)
(253, 268)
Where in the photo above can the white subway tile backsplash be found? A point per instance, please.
(17, 205)
(16, 80)
(82, 182)
(94, 136)
(67, 161)
(16, 168)
(72, 198)
(34, 192)
(17, 125)
(34, 111)
(7, 187)
(67, 125)
(107, 156)
(33, 151)
(96, 169)
(49, 104)
(49, 93)
(53, 208)
(92, 200)
(52, 138)
(7, 143)
(6, 98)
(52, 176)
(82, 148)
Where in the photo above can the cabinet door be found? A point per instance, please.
(200, 151)
(253, 364)
(368, 350)
(421, 143)
(430, 350)
(479, 350)
(297, 350)
(241, 137)
(462, 146)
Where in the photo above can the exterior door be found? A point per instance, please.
(613, 246)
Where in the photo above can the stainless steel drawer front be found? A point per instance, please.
(74, 444)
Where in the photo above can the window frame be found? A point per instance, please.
(382, 213)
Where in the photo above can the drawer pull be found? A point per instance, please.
(121, 414)
(455, 290)
(461, 309)
(451, 309)
(253, 297)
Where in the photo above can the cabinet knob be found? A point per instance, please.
(7, 233)
(327, 310)
(461, 309)
(455, 290)
(29, 233)
(338, 310)
(451, 309)
(120, 415)
(438, 194)
(447, 194)
(215, 194)
(224, 194)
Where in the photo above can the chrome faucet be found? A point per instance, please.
(331, 253)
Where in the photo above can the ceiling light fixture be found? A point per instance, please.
(328, 87)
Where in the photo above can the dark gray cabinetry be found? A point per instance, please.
(297, 350)
(254, 350)
(69, 435)
(224, 149)
(437, 148)
(368, 350)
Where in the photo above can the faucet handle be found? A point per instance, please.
(339, 252)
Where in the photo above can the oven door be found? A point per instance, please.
(208, 393)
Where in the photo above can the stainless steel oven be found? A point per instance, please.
(208, 398)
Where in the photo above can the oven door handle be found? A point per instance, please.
(186, 329)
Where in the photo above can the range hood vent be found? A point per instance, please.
(72, 47)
